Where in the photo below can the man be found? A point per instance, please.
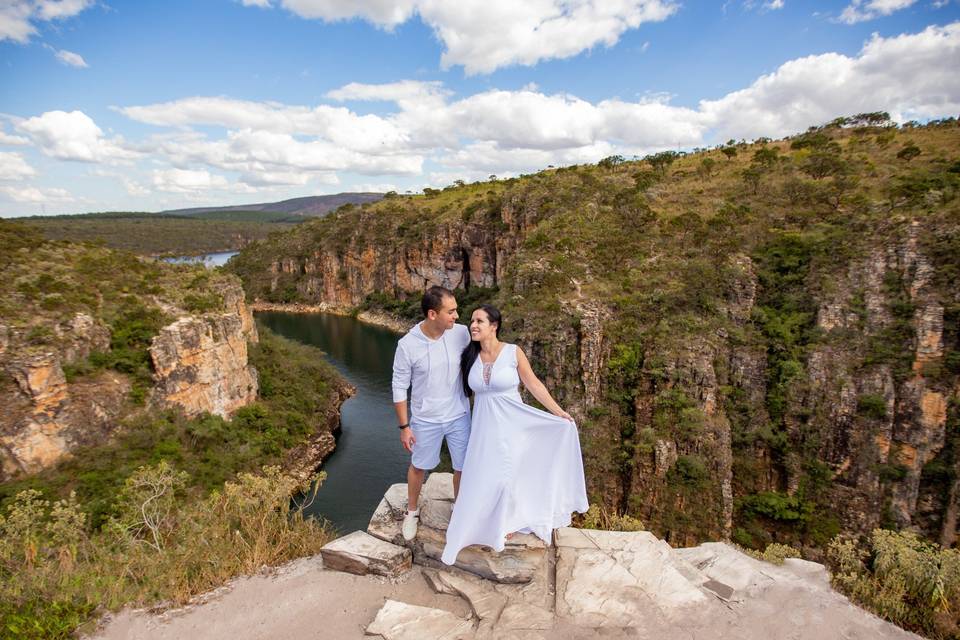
(428, 358)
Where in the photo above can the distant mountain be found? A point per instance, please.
(309, 206)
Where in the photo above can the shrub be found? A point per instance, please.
(598, 517)
(872, 405)
(775, 553)
(902, 578)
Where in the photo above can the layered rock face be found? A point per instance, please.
(200, 363)
(43, 416)
(876, 463)
(200, 366)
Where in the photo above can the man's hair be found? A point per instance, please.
(433, 299)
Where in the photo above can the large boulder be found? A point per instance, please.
(361, 553)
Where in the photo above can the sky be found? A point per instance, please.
(122, 105)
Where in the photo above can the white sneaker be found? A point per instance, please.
(409, 528)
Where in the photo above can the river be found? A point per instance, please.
(209, 260)
(368, 457)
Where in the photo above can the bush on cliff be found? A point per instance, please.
(903, 578)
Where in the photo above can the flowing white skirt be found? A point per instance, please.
(523, 473)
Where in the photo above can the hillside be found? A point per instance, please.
(156, 234)
(759, 341)
(309, 206)
(138, 398)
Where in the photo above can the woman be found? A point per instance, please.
(523, 470)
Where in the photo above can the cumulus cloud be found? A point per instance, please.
(14, 167)
(484, 35)
(911, 76)
(267, 144)
(18, 18)
(36, 195)
(74, 136)
(860, 11)
(7, 139)
(71, 59)
(187, 180)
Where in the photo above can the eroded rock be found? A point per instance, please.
(362, 554)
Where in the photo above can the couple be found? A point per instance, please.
(521, 467)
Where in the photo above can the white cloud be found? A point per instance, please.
(134, 188)
(186, 181)
(11, 140)
(484, 35)
(263, 4)
(71, 59)
(497, 131)
(35, 195)
(18, 18)
(860, 11)
(74, 136)
(14, 167)
(911, 76)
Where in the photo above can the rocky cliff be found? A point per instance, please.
(758, 344)
(76, 346)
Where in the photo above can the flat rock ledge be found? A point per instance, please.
(362, 554)
(594, 584)
(523, 558)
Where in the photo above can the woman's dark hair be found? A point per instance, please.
(433, 299)
(472, 352)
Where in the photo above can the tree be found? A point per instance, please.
(821, 164)
(611, 161)
(909, 152)
(730, 151)
(752, 176)
(766, 156)
(706, 167)
(662, 161)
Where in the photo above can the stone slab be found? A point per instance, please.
(386, 520)
(519, 562)
(722, 562)
(439, 486)
(485, 601)
(362, 554)
(624, 579)
(520, 616)
(400, 621)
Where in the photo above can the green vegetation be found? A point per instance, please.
(902, 578)
(61, 528)
(159, 234)
(716, 276)
(55, 572)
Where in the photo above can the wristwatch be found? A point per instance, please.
(403, 426)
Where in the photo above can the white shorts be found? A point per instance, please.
(429, 435)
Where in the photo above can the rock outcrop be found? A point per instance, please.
(200, 364)
(595, 583)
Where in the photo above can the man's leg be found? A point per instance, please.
(414, 484)
(426, 455)
(458, 436)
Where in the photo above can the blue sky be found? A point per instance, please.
(153, 105)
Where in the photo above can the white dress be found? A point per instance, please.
(523, 471)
